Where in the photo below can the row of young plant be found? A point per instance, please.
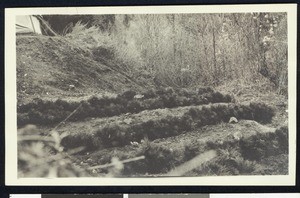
(119, 134)
(235, 156)
(248, 155)
(43, 112)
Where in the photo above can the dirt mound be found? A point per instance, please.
(154, 124)
(45, 112)
(230, 141)
(52, 67)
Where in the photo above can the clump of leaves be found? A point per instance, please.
(262, 112)
(43, 156)
(158, 159)
(262, 146)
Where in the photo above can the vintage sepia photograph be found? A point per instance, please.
(192, 94)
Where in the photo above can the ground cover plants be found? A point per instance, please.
(118, 133)
(145, 95)
(50, 112)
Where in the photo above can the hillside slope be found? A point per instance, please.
(52, 67)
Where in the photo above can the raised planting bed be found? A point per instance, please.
(42, 112)
(155, 124)
(162, 155)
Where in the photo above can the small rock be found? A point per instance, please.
(72, 86)
(128, 120)
(139, 96)
(233, 120)
(134, 143)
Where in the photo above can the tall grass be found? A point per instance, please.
(118, 52)
(191, 49)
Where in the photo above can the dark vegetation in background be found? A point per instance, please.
(119, 134)
(190, 49)
(48, 112)
(62, 24)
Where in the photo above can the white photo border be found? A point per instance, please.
(11, 172)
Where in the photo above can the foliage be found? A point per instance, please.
(119, 134)
(248, 154)
(158, 159)
(50, 112)
(175, 51)
(182, 50)
(261, 146)
(43, 156)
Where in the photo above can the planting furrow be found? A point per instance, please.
(155, 124)
(41, 112)
(238, 152)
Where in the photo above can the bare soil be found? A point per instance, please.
(52, 67)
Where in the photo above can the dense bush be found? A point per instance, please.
(116, 134)
(158, 159)
(79, 140)
(50, 112)
(161, 158)
(247, 154)
(264, 145)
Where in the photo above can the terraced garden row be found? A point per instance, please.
(154, 124)
(42, 112)
(168, 127)
(246, 148)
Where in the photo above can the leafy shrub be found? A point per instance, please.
(40, 156)
(203, 90)
(128, 94)
(262, 112)
(79, 140)
(191, 150)
(264, 145)
(149, 94)
(112, 135)
(282, 138)
(158, 159)
(134, 106)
